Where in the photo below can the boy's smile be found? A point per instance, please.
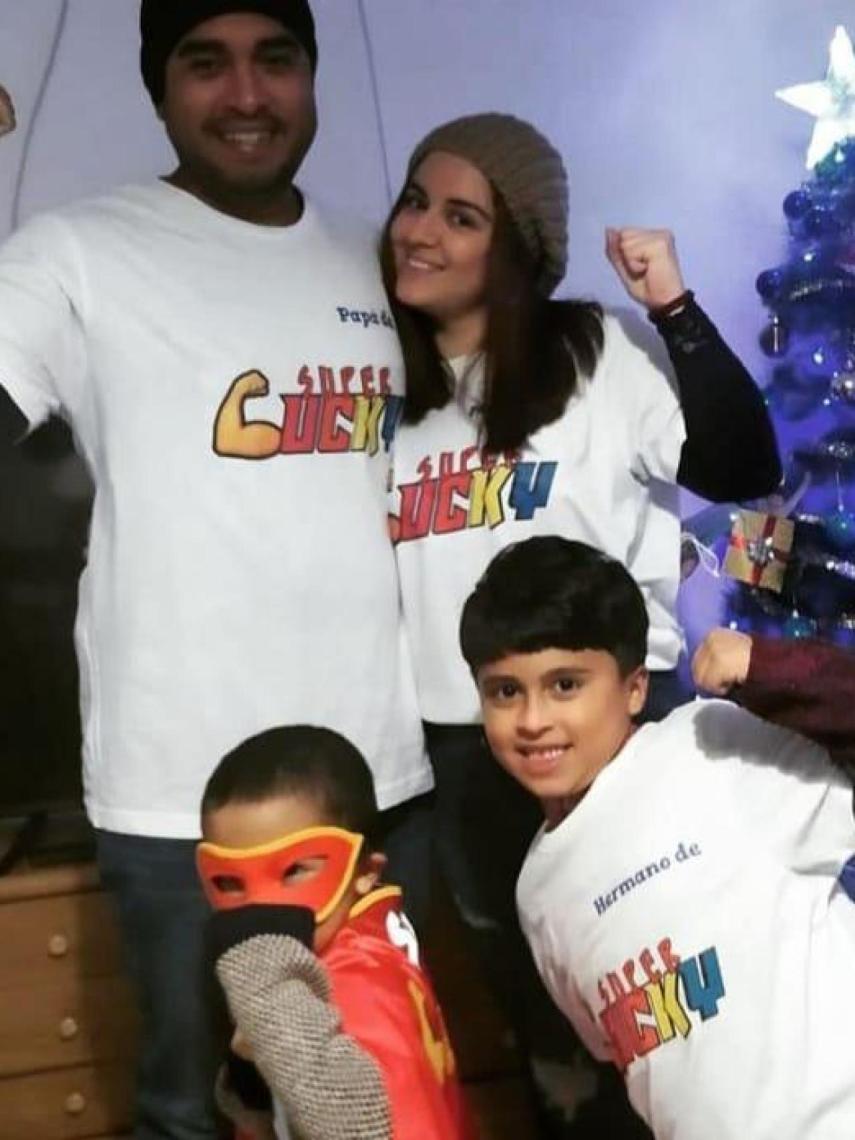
(554, 718)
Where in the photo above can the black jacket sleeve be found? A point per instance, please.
(730, 452)
(13, 422)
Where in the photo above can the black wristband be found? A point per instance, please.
(687, 330)
(228, 928)
(663, 312)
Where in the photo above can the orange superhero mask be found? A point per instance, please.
(274, 873)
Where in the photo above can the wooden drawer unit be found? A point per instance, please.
(68, 1025)
(58, 936)
(67, 1104)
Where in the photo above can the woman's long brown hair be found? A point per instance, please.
(535, 348)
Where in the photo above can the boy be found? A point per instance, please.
(349, 1038)
(681, 899)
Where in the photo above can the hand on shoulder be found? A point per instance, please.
(646, 262)
(721, 661)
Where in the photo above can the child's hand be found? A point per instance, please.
(7, 113)
(722, 661)
(646, 262)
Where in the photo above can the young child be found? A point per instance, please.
(318, 962)
(681, 900)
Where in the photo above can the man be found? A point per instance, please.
(228, 587)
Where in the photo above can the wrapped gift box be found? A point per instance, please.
(759, 549)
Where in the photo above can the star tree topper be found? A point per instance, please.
(831, 100)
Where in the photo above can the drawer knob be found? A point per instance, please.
(57, 946)
(75, 1103)
(68, 1028)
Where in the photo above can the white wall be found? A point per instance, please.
(664, 111)
(97, 127)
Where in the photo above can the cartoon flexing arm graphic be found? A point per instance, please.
(233, 435)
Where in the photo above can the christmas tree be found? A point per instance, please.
(794, 553)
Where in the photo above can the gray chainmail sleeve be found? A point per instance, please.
(279, 996)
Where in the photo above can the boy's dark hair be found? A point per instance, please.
(298, 760)
(552, 593)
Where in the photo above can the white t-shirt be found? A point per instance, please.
(222, 595)
(603, 473)
(686, 917)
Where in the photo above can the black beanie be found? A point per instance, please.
(164, 22)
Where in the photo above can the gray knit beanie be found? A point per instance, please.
(528, 173)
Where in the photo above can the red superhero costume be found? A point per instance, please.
(387, 1004)
(351, 1042)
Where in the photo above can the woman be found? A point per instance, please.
(526, 415)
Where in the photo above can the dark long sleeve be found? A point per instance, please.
(730, 452)
(13, 422)
(806, 685)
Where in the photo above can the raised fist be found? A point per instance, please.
(7, 113)
(722, 661)
(646, 262)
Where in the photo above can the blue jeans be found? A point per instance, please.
(666, 691)
(484, 824)
(163, 916)
(163, 920)
(847, 878)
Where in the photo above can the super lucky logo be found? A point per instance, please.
(471, 488)
(336, 409)
(658, 998)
